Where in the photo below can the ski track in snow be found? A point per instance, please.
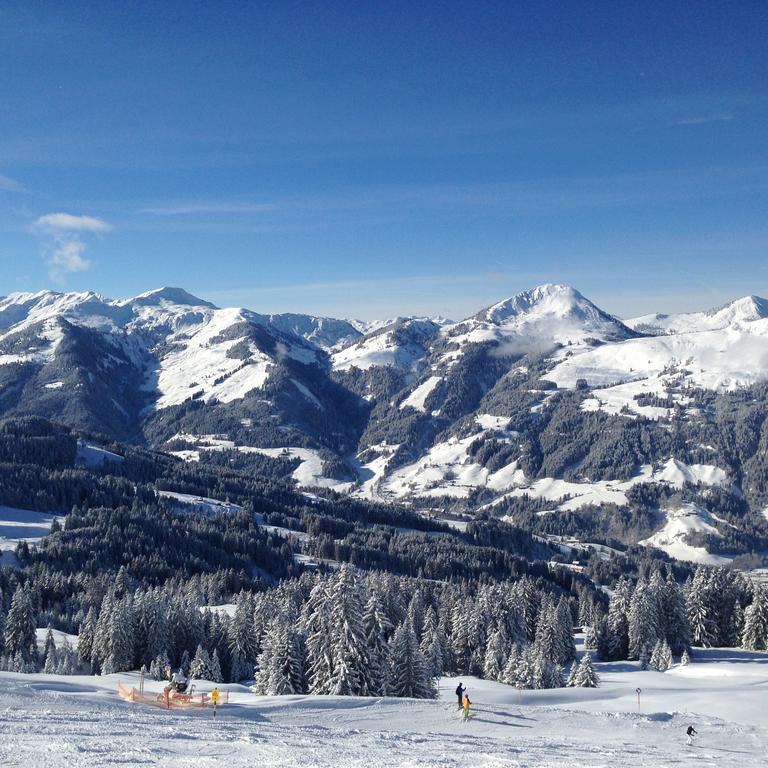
(53, 721)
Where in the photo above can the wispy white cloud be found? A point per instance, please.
(717, 117)
(66, 222)
(64, 250)
(7, 184)
(215, 207)
(65, 255)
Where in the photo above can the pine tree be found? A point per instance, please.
(216, 675)
(20, 637)
(644, 625)
(661, 658)
(51, 659)
(66, 659)
(410, 676)
(702, 626)
(200, 668)
(348, 644)
(565, 646)
(585, 676)
(281, 663)
(511, 668)
(85, 637)
(316, 622)
(377, 628)
(495, 657)
(685, 659)
(755, 635)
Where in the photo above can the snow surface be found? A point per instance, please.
(418, 397)
(721, 359)
(94, 455)
(309, 473)
(687, 518)
(17, 525)
(58, 722)
(447, 469)
(582, 494)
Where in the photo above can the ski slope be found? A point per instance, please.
(63, 721)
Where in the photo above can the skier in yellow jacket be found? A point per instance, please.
(467, 704)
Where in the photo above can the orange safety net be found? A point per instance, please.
(168, 699)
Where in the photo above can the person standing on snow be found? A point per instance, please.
(460, 694)
(215, 700)
(466, 704)
(691, 732)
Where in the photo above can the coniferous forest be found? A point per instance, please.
(328, 595)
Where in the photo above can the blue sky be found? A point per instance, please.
(367, 159)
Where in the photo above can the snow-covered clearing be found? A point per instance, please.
(688, 518)
(309, 473)
(62, 721)
(672, 472)
(95, 456)
(721, 359)
(17, 525)
(418, 397)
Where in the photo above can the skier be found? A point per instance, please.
(691, 732)
(215, 699)
(460, 694)
(466, 705)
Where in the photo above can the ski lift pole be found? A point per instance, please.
(141, 681)
(638, 691)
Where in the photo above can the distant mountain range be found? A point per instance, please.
(542, 405)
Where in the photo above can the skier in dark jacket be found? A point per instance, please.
(460, 695)
(690, 733)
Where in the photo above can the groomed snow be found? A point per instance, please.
(59, 722)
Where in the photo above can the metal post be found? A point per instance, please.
(639, 691)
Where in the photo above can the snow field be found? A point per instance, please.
(62, 721)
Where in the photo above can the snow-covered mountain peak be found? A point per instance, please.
(168, 295)
(746, 309)
(539, 318)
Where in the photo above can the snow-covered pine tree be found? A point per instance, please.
(702, 626)
(415, 615)
(644, 624)
(121, 631)
(85, 637)
(661, 658)
(511, 668)
(685, 659)
(317, 628)
(243, 643)
(565, 647)
(216, 675)
(410, 676)
(755, 635)
(586, 676)
(377, 628)
(613, 634)
(495, 656)
(200, 668)
(20, 637)
(676, 626)
(66, 659)
(645, 658)
(281, 663)
(433, 644)
(348, 644)
(51, 658)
